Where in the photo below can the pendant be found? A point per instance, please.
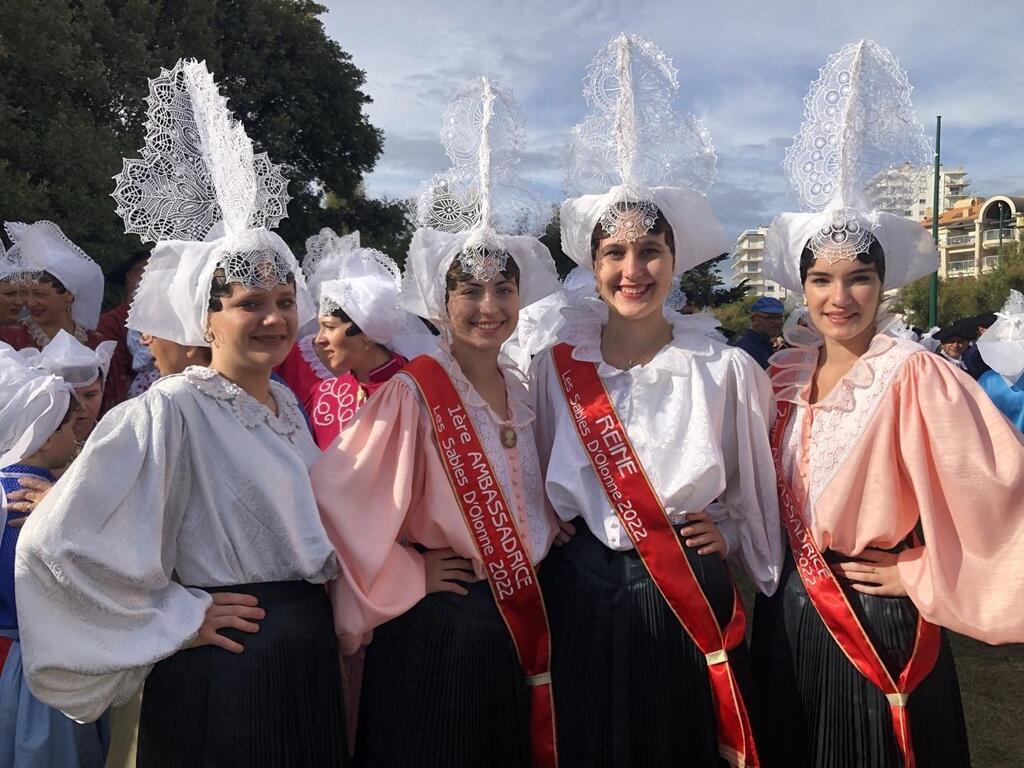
(509, 438)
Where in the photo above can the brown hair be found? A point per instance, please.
(874, 254)
(46, 277)
(220, 288)
(457, 274)
(661, 227)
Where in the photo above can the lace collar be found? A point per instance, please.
(308, 353)
(520, 405)
(39, 337)
(692, 337)
(251, 413)
(793, 370)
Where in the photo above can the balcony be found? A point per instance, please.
(960, 268)
(993, 234)
(990, 262)
(959, 240)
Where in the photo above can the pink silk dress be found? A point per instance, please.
(906, 439)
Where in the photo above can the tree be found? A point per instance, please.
(965, 296)
(704, 286)
(73, 81)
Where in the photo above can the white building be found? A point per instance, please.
(748, 256)
(917, 185)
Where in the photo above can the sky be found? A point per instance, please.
(744, 68)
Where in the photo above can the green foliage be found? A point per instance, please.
(736, 314)
(960, 297)
(73, 82)
(704, 286)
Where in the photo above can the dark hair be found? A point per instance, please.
(340, 314)
(46, 277)
(69, 412)
(457, 274)
(220, 288)
(874, 255)
(660, 227)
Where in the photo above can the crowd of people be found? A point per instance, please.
(464, 514)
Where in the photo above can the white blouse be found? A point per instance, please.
(697, 415)
(192, 484)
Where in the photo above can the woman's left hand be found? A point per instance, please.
(700, 532)
(874, 572)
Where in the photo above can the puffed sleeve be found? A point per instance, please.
(97, 606)
(964, 467)
(747, 512)
(365, 485)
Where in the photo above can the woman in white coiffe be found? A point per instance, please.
(183, 549)
(630, 686)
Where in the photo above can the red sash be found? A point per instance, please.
(506, 560)
(5, 648)
(829, 600)
(641, 513)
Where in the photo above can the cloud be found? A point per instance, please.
(744, 67)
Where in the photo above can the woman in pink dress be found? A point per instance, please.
(901, 487)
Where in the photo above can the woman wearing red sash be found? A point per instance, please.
(654, 435)
(445, 681)
(901, 486)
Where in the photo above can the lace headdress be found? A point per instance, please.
(635, 158)
(1002, 345)
(43, 247)
(33, 404)
(860, 150)
(326, 251)
(208, 201)
(67, 357)
(11, 270)
(479, 211)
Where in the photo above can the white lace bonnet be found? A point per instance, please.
(67, 357)
(207, 200)
(326, 251)
(1002, 345)
(859, 149)
(635, 149)
(10, 269)
(33, 403)
(43, 247)
(479, 211)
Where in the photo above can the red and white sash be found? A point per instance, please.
(506, 560)
(643, 516)
(830, 601)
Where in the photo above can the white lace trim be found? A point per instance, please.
(839, 421)
(692, 336)
(251, 413)
(309, 355)
(39, 337)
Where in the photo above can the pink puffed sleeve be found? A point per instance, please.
(366, 485)
(964, 464)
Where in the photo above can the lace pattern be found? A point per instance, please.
(326, 246)
(336, 402)
(39, 337)
(836, 423)
(309, 355)
(288, 422)
(198, 166)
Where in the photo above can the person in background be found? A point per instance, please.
(1002, 350)
(954, 340)
(128, 362)
(766, 318)
(13, 289)
(974, 364)
(36, 438)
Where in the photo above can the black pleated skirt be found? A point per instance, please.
(630, 686)
(818, 711)
(443, 686)
(278, 703)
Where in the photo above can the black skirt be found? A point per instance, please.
(278, 703)
(818, 711)
(443, 686)
(630, 686)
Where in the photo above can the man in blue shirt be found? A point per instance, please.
(766, 318)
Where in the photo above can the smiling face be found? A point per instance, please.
(483, 313)
(49, 303)
(13, 296)
(344, 347)
(634, 278)
(954, 347)
(843, 298)
(255, 329)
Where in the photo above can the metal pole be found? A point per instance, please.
(933, 284)
(1000, 227)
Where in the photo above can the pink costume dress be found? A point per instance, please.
(331, 401)
(905, 449)
(442, 683)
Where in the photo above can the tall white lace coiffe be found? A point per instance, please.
(860, 149)
(207, 200)
(43, 247)
(479, 211)
(635, 157)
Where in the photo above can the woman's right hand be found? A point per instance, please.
(445, 568)
(229, 610)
